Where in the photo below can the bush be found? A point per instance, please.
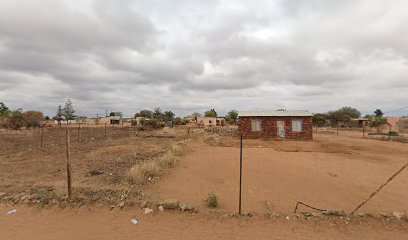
(152, 123)
(393, 133)
(33, 118)
(16, 120)
(169, 160)
(139, 173)
(212, 200)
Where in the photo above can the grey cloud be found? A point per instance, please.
(194, 55)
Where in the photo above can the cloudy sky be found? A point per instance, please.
(190, 55)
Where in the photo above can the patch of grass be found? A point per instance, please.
(212, 201)
(139, 173)
(393, 133)
(168, 160)
(177, 150)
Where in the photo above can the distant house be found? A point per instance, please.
(356, 122)
(210, 121)
(280, 124)
(110, 120)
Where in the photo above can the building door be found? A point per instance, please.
(281, 128)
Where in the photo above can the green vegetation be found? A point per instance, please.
(319, 119)
(68, 111)
(393, 133)
(212, 201)
(210, 113)
(232, 116)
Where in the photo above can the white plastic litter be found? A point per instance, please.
(134, 221)
(12, 212)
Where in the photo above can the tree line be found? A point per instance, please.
(346, 114)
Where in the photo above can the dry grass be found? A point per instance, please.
(140, 173)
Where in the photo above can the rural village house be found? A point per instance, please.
(280, 124)
(210, 121)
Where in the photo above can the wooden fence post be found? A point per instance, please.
(67, 142)
(79, 127)
(42, 135)
(105, 130)
(337, 126)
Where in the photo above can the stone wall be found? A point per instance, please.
(269, 128)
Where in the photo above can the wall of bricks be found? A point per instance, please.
(269, 128)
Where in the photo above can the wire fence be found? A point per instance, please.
(338, 169)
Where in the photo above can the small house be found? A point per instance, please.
(210, 121)
(279, 124)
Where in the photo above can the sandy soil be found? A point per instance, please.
(99, 165)
(95, 223)
(329, 172)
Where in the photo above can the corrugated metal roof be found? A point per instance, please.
(277, 113)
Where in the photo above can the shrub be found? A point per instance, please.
(16, 120)
(33, 118)
(393, 133)
(212, 200)
(169, 160)
(139, 173)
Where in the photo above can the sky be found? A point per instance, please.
(190, 56)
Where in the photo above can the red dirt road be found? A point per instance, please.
(101, 224)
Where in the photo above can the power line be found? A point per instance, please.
(399, 109)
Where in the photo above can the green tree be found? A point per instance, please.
(119, 114)
(377, 121)
(210, 113)
(158, 114)
(343, 114)
(378, 113)
(16, 119)
(169, 115)
(232, 116)
(4, 110)
(319, 119)
(144, 113)
(68, 111)
(59, 115)
(350, 112)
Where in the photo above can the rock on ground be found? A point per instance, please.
(170, 204)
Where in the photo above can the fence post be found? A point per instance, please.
(105, 130)
(79, 127)
(42, 135)
(67, 142)
(240, 174)
(337, 126)
(363, 132)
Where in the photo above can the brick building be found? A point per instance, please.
(280, 124)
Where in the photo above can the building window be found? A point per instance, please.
(297, 125)
(256, 125)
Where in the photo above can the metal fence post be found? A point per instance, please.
(240, 175)
(67, 143)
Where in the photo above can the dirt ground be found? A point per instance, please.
(30, 173)
(97, 223)
(329, 172)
